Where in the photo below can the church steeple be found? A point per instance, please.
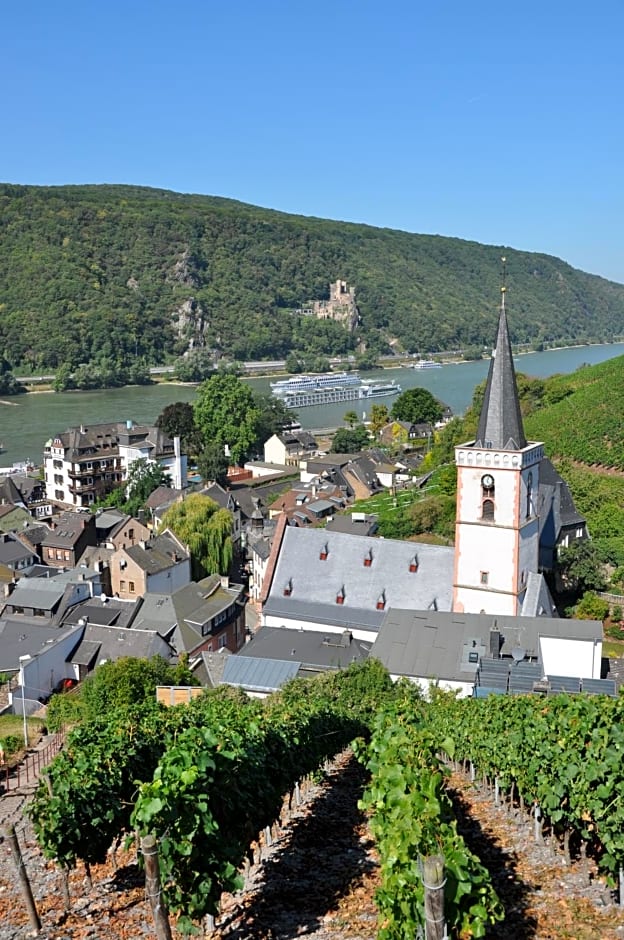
(500, 423)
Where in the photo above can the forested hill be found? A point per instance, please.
(118, 271)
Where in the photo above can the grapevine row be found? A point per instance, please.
(411, 818)
(204, 778)
(563, 754)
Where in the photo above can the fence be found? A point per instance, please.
(614, 600)
(28, 770)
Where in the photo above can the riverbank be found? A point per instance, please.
(30, 420)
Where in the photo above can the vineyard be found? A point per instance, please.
(208, 778)
(581, 420)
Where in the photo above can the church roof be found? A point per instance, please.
(500, 424)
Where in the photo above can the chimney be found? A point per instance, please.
(368, 558)
(324, 552)
(225, 581)
(495, 642)
(381, 601)
(340, 596)
(288, 588)
(413, 566)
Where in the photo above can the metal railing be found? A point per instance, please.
(29, 768)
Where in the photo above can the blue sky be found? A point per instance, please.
(492, 122)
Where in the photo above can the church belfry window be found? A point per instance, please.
(529, 495)
(487, 497)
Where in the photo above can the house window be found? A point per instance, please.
(487, 510)
(122, 585)
(50, 553)
(131, 586)
(38, 612)
(529, 495)
(485, 577)
(222, 641)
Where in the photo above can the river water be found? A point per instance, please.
(28, 421)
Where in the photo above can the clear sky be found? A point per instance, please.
(501, 123)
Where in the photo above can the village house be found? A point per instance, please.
(68, 537)
(157, 565)
(287, 448)
(15, 553)
(84, 464)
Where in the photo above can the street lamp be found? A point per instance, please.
(24, 659)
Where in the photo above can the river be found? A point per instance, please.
(28, 421)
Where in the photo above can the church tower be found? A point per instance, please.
(496, 525)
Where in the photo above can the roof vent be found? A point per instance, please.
(413, 565)
(381, 601)
(324, 552)
(368, 558)
(288, 588)
(340, 596)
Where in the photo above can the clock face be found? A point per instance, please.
(487, 481)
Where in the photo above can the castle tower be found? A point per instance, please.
(496, 524)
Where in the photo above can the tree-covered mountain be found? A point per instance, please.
(92, 273)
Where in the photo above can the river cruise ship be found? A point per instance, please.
(323, 395)
(306, 383)
(425, 364)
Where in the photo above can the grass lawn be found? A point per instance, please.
(14, 724)
(613, 648)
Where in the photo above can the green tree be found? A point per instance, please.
(273, 416)
(591, 607)
(379, 417)
(212, 463)
(350, 418)
(124, 683)
(434, 514)
(581, 567)
(144, 477)
(196, 366)
(226, 413)
(206, 530)
(417, 405)
(178, 420)
(350, 440)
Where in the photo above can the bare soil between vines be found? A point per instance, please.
(317, 880)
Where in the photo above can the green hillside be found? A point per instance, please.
(579, 416)
(88, 272)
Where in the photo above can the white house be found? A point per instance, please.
(83, 464)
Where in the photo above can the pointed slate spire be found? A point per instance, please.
(500, 424)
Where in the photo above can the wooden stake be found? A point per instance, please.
(434, 881)
(153, 888)
(11, 836)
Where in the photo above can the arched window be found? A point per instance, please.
(529, 495)
(487, 497)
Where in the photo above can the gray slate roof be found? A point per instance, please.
(23, 636)
(258, 675)
(500, 423)
(313, 650)
(315, 583)
(43, 593)
(437, 645)
(111, 643)
(158, 554)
